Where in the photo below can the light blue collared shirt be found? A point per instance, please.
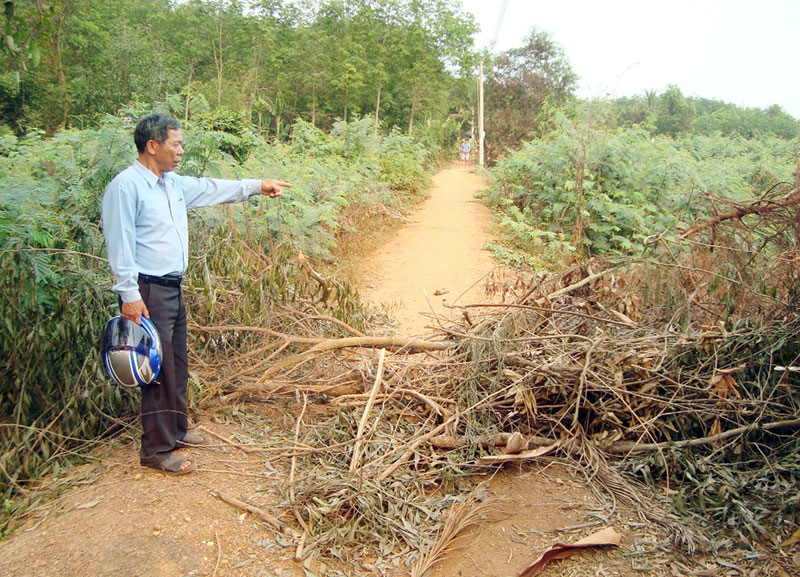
(145, 224)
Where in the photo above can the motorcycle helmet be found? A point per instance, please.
(131, 352)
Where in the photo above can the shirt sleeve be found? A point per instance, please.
(119, 228)
(209, 191)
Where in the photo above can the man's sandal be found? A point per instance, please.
(192, 440)
(174, 465)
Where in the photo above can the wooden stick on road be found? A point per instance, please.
(355, 463)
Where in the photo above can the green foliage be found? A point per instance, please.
(399, 61)
(606, 190)
(23, 31)
(670, 113)
(54, 294)
(714, 117)
(525, 245)
(54, 301)
(232, 130)
(351, 165)
(521, 84)
(674, 114)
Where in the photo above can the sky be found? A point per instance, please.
(744, 52)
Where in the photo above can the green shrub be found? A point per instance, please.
(606, 191)
(54, 293)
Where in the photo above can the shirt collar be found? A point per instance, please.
(148, 174)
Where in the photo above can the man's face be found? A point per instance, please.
(168, 153)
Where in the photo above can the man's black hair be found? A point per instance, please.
(153, 127)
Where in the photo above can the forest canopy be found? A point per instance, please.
(67, 63)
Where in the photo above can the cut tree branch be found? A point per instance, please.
(394, 343)
(760, 207)
(634, 447)
(274, 522)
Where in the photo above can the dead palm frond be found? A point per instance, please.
(463, 515)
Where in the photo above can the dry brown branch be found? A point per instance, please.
(244, 328)
(292, 472)
(549, 310)
(579, 284)
(634, 447)
(412, 447)
(409, 344)
(219, 554)
(598, 365)
(228, 441)
(355, 463)
(274, 522)
(518, 457)
(298, 553)
(360, 399)
(582, 382)
(339, 323)
(498, 440)
(323, 282)
(759, 207)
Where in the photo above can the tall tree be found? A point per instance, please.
(674, 114)
(520, 82)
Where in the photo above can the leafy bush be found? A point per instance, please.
(606, 190)
(54, 300)
(55, 290)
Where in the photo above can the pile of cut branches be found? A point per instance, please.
(677, 369)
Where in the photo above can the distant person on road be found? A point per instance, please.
(146, 229)
(465, 147)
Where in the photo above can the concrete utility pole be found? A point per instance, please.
(481, 132)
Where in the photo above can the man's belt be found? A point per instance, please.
(172, 281)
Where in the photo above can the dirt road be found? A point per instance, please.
(440, 251)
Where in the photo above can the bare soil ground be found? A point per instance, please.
(119, 519)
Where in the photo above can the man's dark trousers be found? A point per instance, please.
(164, 418)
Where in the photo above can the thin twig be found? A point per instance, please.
(227, 441)
(355, 463)
(293, 469)
(219, 555)
(274, 522)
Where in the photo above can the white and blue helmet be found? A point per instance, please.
(131, 352)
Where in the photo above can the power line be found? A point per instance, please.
(499, 23)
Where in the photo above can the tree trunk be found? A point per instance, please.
(218, 59)
(188, 92)
(413, 110)
(378, 108)
(59, 69)
(345, 104)
(259, 50)
(579, 227)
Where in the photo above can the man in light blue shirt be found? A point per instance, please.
(146, 230)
